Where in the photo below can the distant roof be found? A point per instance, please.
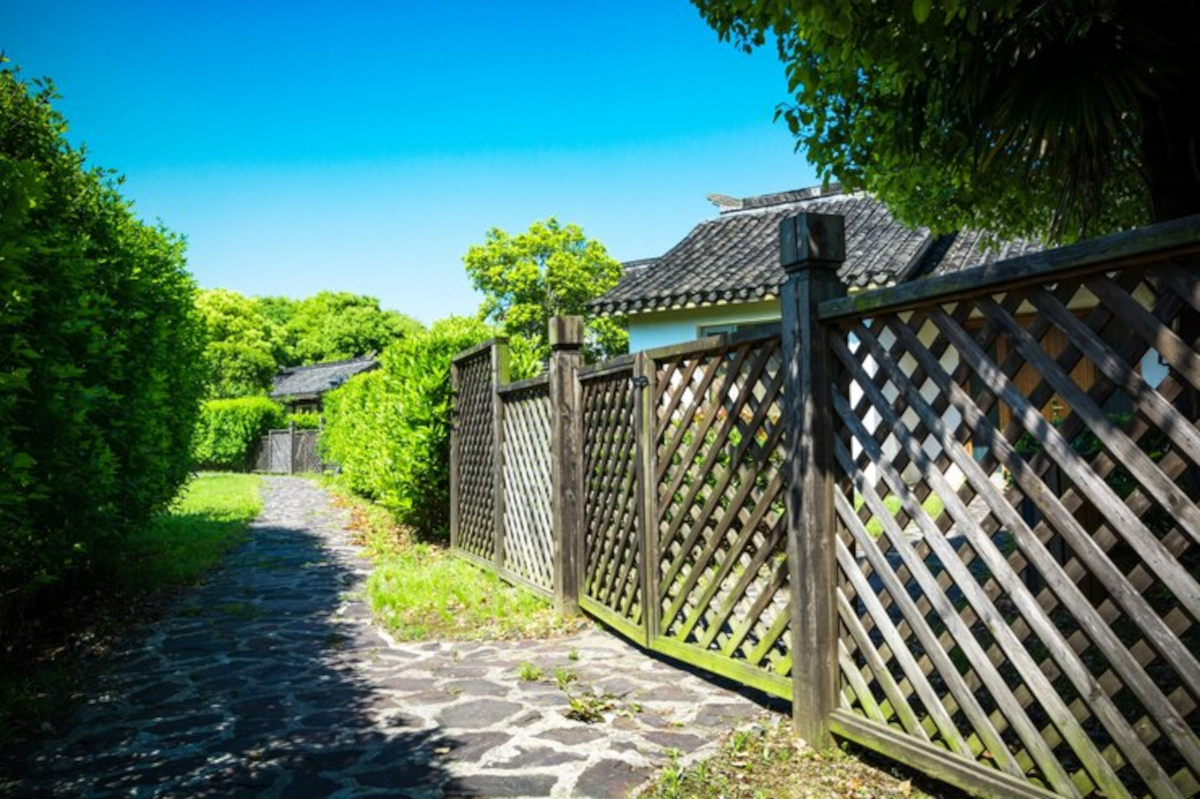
(735, 257)
(312, 381)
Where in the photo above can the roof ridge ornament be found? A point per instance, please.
(726, 203)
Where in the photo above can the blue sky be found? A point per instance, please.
(364, 146)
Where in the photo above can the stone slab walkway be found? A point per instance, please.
(271, 680)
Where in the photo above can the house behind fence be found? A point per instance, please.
(955, 521)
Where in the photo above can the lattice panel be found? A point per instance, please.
(476, 456)
(306, 459)
(1019, 547)
(721, 547)
(611, 545)
(528, 531)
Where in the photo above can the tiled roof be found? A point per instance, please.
(309, 381)
(735, 257)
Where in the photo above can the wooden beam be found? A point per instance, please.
(809, 465)
(566, 457)
(1104, 254)
(499, 378)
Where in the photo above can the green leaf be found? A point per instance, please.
(921, 9)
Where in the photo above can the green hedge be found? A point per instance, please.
(389, 430)
(228, 431)
(99, 361)
(305, 420)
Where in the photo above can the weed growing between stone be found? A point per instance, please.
(768, 762)
(564, 677)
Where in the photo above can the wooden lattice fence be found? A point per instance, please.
(475, 501)
(971, 504)
(509, 488)
(525, 463)
(719, 572)
(1018, 527)
(611, 556)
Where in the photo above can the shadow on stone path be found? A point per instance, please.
(271, 680)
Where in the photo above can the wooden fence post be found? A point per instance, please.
(291, 447)
(455, 454)
(499, 378)
(646, 491)
(811, 248)
(566, 456)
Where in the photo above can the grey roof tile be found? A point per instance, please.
(307, 381)
(735, 257)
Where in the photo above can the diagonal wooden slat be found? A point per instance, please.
(1071, 597)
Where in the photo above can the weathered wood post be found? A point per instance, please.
(811, 248)
(646, 491)
(291, 447)
(566, 456)
(499, 378)
(455, 453)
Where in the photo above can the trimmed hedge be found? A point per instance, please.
(389, 430)
(304, 420)
(100, 373)
(228, 431)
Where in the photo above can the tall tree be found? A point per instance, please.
(239, 353)
(1062, 119)
(332, 326)
(550, 269)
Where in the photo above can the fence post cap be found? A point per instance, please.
(566, 332)
(809, 240)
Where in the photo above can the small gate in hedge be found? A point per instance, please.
(288, 452)
(956, 521)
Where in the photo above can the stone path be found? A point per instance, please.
(270, 680)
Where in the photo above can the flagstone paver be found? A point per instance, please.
(271, 680)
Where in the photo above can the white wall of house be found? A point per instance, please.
(659, 329)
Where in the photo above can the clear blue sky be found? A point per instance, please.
(364, 146)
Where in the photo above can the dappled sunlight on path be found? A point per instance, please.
(271, 680)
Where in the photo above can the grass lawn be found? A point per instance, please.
(41, 666)
(208, 520)
(421, 591)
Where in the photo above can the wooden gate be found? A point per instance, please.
(288, 452)
(279, 445)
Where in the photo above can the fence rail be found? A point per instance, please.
(955, 521)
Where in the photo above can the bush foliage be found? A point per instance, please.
(389, 430)
(304, 420)
(228, 431)
(99, 371)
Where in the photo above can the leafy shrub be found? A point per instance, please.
(228, 431)
(100, 374)
(389, 430)
(304, 420)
